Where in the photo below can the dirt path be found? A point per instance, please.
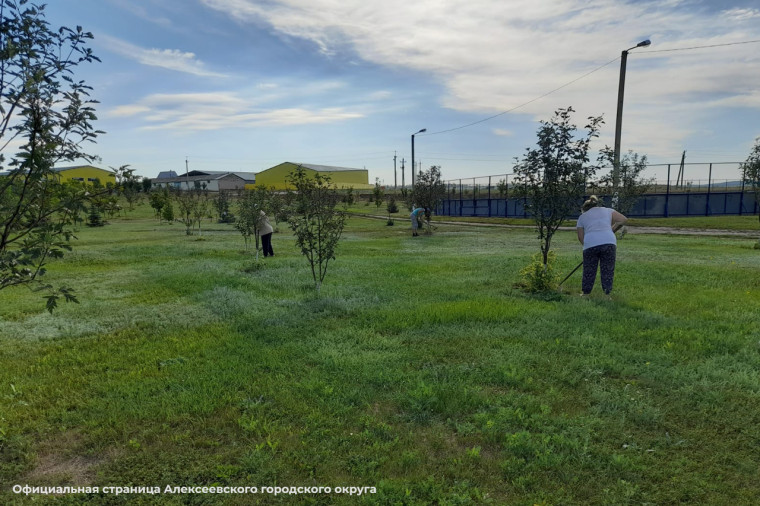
(753, 234)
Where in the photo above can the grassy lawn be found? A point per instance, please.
(420, 370)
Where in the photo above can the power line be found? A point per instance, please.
(523, 104)
(700, 47)
(581, 77)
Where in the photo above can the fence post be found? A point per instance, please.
(506, 195)
(461, 201)
(474, 199)
(709, 183)
(667, 193)
(489, 196)
(741, 198)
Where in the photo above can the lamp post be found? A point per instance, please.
(413, 167)
(619, 120)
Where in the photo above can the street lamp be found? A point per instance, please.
(619, 120)
(413, 167)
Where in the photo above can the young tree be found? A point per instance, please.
(222, 205)
(631, 182)
(502, 188)
(553, 174)
(158, 199)
(73, 205)
(94, 217)
(316, 220)
(200, 209)
(751, 176)
(278, 207)
(407, 197)
(46, 116)
(391, 207)
(128, 185)
(167, 211)
(348, 197)
(378, 194)
(186, 203)
(428, 192)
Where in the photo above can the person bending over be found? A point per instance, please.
(596, 232)
(417, 213)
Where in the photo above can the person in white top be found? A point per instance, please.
(265, 231)
(596, 232)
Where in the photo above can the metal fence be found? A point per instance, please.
(705, 195)
(650, 205)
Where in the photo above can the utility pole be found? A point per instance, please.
(187, 174)
(413, 164)
(395, 183)
(619, 118)
(403, 184)
(681, 170)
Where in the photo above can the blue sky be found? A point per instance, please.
(247, 84)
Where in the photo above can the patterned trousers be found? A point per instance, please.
(602, 256)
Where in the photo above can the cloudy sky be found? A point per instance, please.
(247, 84)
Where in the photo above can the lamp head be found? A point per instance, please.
(644, 43)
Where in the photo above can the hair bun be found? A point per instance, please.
(592, 201)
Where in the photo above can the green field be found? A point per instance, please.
(420, 371)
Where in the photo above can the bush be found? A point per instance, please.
(538, 277)
(94, 219)
(167, 212)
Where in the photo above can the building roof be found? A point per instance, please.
(248, 176)
(326, 168)
(202, 177)
(166, 174)
(61, 169)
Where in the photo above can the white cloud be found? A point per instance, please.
(380, 95)
(171, 59)
(217, 111)
(502, 132)
(128, 110)
(739, 14)
(141, 12)
(495, 55)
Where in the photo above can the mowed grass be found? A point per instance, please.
(419, 370)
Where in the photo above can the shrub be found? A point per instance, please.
(167, 211)
(538, 277)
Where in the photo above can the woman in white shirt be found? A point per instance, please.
(595, 231)
(266, 231)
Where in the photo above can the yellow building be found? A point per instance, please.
(344, 178)
(85, 174)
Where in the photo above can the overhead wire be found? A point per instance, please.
(699, 47)
(523, 104)
(582, 77)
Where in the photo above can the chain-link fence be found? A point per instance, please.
(695, 189)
